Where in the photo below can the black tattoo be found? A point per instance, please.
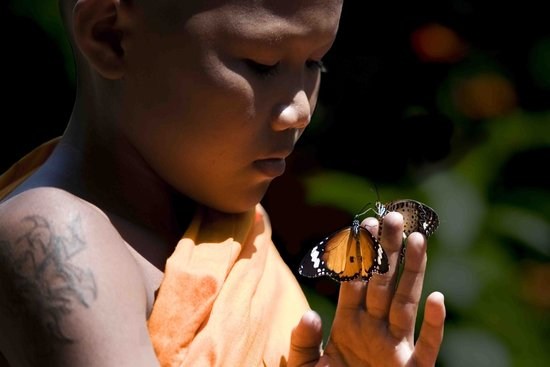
(43, 285)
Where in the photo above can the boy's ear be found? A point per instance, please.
(98, 37)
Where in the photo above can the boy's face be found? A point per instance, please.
(216, 97)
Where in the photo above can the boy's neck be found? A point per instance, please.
(110, 174)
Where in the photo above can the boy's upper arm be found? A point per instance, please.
(71, 292)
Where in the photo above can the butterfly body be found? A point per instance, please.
(348, 254)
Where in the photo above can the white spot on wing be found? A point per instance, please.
(380, 253)
(315, 257)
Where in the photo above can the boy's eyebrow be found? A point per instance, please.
(274, 34)
(268, 27)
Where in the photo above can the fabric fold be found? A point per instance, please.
(238, 314)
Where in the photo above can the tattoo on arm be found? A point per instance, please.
(43, 284)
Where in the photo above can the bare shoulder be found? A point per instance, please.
(48, 202)
(72, 293)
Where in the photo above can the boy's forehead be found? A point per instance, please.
(168, 13)
(190, 7)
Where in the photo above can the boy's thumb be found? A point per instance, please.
(305, 341)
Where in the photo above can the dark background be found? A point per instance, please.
(446, 102)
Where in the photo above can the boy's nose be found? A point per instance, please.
(294, 115)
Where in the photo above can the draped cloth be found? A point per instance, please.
(25, 167)
(227, 298)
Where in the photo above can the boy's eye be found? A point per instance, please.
(261, 69)
(269, 70)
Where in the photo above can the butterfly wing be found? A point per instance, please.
(373, 256)
(347, 254)
(417, 216)
(330, 257)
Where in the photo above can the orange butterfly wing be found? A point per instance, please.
(341, 256)
(347, 254)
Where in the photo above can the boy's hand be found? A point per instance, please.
(374, 323)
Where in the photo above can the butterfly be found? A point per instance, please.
(417, 217)
(347, 254)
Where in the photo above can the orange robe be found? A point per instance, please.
(227, 297)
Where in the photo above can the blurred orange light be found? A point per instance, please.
(485, 96)
(536, 285)
(437, 43)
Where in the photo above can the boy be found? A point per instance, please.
(137, 239)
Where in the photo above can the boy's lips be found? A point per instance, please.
(271, 167)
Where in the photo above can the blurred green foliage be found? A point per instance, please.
(491, 253)
(46, 15)
(487, 252)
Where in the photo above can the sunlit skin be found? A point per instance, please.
(235, 87)
(202, 101)
(210, 106)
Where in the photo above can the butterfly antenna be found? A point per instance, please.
(376, 191)
(364, 210)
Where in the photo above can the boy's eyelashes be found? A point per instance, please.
(261, 69)
(269, 70)
(317, 64)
